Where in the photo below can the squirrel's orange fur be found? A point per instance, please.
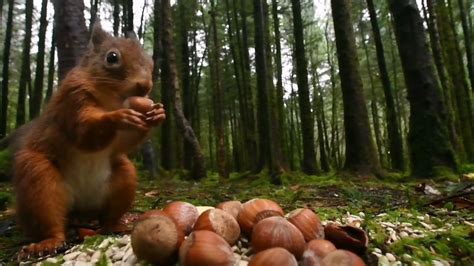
(74, 159)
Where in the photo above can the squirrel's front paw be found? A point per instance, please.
(128, 118)
(157, 115)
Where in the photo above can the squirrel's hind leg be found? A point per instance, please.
(120, 197)
(42, 203)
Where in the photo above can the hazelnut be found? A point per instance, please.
(151, 214)
(277, 232)
(255, 210)
(202, 209)
(347, 237)
(220, 222)
(315, 251)
(308, 222)
(342, 258)
(183, 213)
(156, 240)
(273, 256)
(204, 247)
(139, 104)
(233, 207)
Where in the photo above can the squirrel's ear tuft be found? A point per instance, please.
(98, 35)
(131, 35)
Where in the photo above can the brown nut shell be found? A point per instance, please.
(315, 251)
(156, 240)
(273, 256)
(204, 247)
(347, 237)
(254, 210)
(183, 213)
(342, 257)
(139, 104)
(308, 222)
(151, 214)
(220, 222)
(277, 232)
(233, 207)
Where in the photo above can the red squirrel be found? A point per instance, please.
(73, 160)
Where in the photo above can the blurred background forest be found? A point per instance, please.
(369, 87)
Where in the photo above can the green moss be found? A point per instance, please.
(6, 159)
(454, 245)
(443, 173)
(466, 168)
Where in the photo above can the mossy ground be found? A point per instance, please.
(332, 197)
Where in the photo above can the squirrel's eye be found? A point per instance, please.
(112, 57)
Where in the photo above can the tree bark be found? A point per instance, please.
(393, 128)
(51, 68)
(467, 42)
(25, 76)
(455, 68)
(5, 71)
(307, 123)
(37, 98)
(361, 157)
(94, 9)
(116, 16)
(279, 85)
(444, 79)
(71, 34)
(373, 100)
(318, 107)
(218, 97)
(250, 125)
(265, 136)
(428, 139)
(170, 82)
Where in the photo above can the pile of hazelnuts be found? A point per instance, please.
(179, 233)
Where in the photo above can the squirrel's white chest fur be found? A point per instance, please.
(87, 179)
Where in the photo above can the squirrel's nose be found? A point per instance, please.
(143, 87)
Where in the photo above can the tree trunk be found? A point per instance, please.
(393, 128)
(428, 139)
(265, 135)
(318, 108)
(250, 125)
(444, 79)
(37, 98)
(71, 34)
(141, 27)
(360, 151)
(280, 107)
(94, 9)
(5, 71)
(116, 16)
(170, 82)
(455, 68)
(218, 97)
(373, 100)
(467, 42)
(25, 76)
(51, 66)
(334, 124)
(236, 63)
(307, 123)
(183, 28)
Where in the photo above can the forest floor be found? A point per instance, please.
(408, 222)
